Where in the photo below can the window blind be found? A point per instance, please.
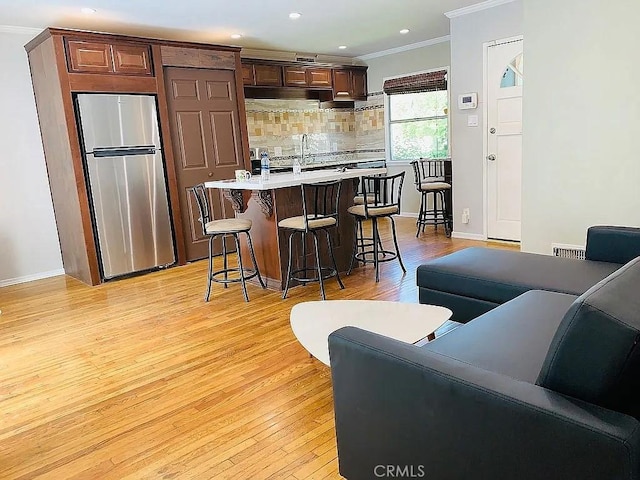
(422, 82)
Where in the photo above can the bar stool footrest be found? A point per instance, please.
(248, 274)
(383, 256)
(294, 274)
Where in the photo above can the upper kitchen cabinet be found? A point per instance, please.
(248, 75)
(350, 84)
(108, 58)
(326, 82)
(301, 76)
(267, 75)
(319, 77)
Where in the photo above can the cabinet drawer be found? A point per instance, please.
(131, 59)
(248, 78)
(90, 57)
(269, 75)
(319, 77)
(295, 77)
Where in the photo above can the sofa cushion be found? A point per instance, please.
(595, 354)
(512, 339)
(500, 275)
(613, 244)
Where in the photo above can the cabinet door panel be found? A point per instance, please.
(92, 57)
(268, 75)
(248, 77)
(319, 77)
(342, 84)
(359, 84)
(131, 59)
(295, 77)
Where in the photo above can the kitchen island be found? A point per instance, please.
(265, 203)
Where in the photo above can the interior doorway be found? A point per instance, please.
(503, 156)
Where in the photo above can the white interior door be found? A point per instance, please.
(504, 153)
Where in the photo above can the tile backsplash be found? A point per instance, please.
(279, 125)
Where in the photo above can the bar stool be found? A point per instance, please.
(386, 192)
(429, 178)
(319, 212)
(227, 227)
(363, 243)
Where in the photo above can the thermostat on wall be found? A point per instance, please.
(467, 101)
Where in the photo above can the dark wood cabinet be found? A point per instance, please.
(268, 75)
(295, 76)
(89, 57)
(301, 76)
(319, 77)
(349, 84)
(326, 82)
(106, 58)
(359, 84)
(342, 85)
(131, 59)
(248, 77)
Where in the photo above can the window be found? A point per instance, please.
(418, 117)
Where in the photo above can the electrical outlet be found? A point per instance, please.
(277, 151)
(465, 215)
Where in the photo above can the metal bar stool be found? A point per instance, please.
(319, 212)
(430, 178)
(227, 227)
(385, 203)
(362, 243)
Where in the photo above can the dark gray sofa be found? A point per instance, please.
(475, 280)
(545, 386)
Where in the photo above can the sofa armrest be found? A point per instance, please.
(613, 244)
(410, 408)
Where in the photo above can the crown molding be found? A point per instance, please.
(476, 8)
(22, 30)
(405, 48)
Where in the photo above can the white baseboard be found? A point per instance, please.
(31, 278)
(408, 214)
(469, 236)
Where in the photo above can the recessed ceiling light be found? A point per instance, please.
(236, 36)
(88, 11)
(294, 15)
(342, 47)
(404, 31)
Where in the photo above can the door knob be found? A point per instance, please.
(210, 174)
(491, 157)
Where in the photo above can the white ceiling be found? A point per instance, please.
(365, 26)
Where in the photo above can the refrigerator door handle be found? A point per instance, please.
(101, 152)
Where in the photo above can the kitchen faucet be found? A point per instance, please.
(304, 143)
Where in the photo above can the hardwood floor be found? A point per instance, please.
(140, 378)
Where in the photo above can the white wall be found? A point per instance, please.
(468, 34)
(581, 150)
(416, 60)
(29, 245)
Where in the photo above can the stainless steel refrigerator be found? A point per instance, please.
(127, 183)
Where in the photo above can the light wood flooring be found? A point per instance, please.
(140, 378)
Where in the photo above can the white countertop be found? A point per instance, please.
(283, 180)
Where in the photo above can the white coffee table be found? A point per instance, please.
(313, 322)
